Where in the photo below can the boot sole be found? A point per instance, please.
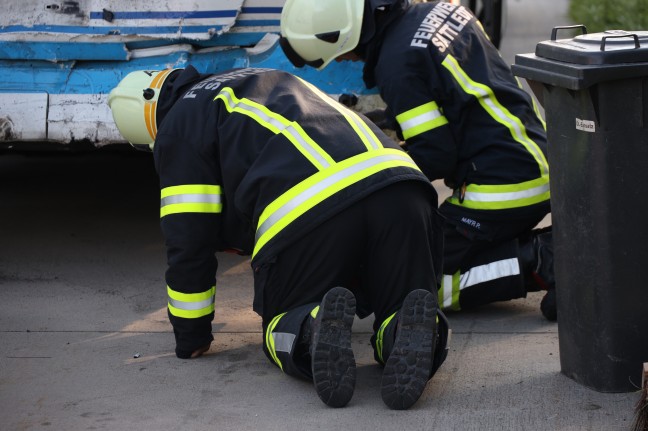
(409, 365)
(333, 363)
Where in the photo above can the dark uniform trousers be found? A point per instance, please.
(487, 266)
(380, 248)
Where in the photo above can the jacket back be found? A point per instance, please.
(278, 156)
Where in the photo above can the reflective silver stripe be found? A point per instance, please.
(183, 305)
(420, 119)
(489, 272)
(287, 128)
(283, 341)
(190, 198)
(326, 183)
(361, 128)
(446, 289)
(453, 284)
(506, 196)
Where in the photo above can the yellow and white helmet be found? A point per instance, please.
(315, 32)
(134, 105)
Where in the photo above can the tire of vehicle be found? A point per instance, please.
(490, 13)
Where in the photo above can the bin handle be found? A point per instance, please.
(633, 35)
(554, 32)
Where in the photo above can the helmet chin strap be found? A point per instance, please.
(291, 54)
(295, 58)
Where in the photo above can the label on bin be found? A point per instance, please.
(585, 125)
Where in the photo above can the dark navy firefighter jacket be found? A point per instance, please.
(464, 116)
(249, 160)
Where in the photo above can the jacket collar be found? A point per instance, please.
(379, 15)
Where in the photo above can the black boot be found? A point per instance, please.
(410, 363)
(545, 271)
(549, 306)
(332, 360)
(536, 258)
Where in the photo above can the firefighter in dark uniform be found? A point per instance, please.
(464, 119)
(262, 162)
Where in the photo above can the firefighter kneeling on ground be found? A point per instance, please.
(464, 119)
(262, 162)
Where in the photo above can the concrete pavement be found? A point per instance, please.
(86, 343)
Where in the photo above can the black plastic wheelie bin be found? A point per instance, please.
(594, 89)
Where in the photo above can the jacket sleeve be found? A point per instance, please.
(190, 211)
(428, 138)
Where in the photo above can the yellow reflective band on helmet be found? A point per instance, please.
(150, 109)
(379, 337)
(269, 339)
(322, 185)
(363, 131)
(190, 198)
(449, 292)
(504, 196)
(497, 111)
(421, 119)
(191, 305)
(277, 124)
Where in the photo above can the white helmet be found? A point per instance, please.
(134, 105)
(314, 32)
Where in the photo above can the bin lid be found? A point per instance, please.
(608, 47)
(585, 60)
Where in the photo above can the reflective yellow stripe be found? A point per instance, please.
(449, 292)
(536, 108)
(505, 196)
(479, 24)
(421, 119)
(277, 124)
(322, 185)
(379, 337)
(367, 136)
(190, 198)
(191, 305)
(497, 111)
(269, 339)
(314, 312)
